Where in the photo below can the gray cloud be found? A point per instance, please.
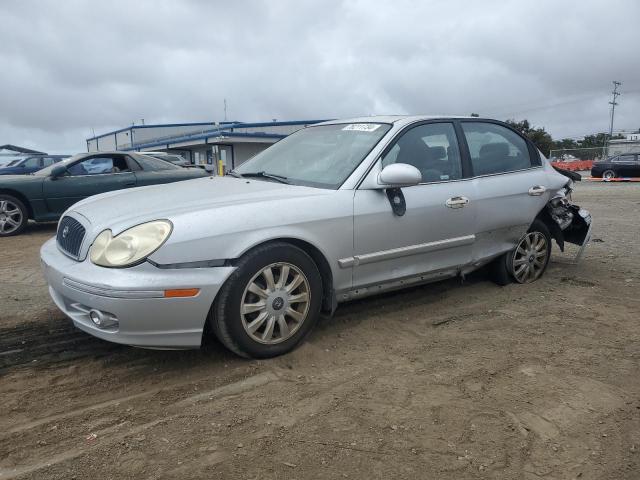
(68, 67)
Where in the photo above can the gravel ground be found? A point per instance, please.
(452, 380)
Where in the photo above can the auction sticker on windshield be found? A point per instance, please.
(362, 127)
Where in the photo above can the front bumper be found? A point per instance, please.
(135, 297)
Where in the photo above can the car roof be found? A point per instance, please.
(107, 152)
(404, 119)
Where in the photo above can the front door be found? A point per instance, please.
(436, 234)
(90, 176)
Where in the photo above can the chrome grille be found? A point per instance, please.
(70, 235)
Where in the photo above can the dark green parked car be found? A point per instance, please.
(43, 196)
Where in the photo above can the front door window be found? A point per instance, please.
(431, 148)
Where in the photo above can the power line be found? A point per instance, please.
(503, 110)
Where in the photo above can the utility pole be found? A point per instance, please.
(225, 109)
(613, 104)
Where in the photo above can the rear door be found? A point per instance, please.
(509, 185)
(626, 166)
(96, 174)
(635, 170)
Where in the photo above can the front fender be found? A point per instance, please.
(228, 233)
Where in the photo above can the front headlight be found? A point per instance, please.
(130, 246)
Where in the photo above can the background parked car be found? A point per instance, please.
(170, 157)
(31, 164)
(624, 165)
(6, 160)
(46, 194)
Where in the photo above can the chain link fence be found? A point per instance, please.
(577, 154)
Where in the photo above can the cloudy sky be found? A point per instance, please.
(71, 66)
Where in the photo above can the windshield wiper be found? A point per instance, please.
(263, 174)
(234, 174)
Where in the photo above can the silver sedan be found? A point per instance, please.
(334, 212)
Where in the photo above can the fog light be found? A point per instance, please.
(95, 317)
(103, 319)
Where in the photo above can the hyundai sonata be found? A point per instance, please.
(335, 211)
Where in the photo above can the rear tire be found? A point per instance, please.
(528, 261)
(269, 303)
(14, 216)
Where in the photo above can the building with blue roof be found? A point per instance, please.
(205, 144)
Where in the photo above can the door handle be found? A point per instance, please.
(537, 190)
(456, 202)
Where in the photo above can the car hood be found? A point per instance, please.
(119, 210)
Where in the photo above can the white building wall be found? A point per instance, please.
(244, 151)
(123, 139)
(106, 143)
(153, 134)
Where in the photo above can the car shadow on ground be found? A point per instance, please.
(56, 342)
(34, 228)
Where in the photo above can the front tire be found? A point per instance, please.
(269, 303)
(13, 216)
(609, 174)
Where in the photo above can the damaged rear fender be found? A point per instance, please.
(566, 222)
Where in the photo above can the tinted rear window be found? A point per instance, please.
(148, 162)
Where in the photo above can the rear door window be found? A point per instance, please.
(624, 159)
(149, 163)
(495, 149)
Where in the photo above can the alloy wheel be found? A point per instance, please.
(530, 257)
(10, 217)
(275, 303)
(609, 174)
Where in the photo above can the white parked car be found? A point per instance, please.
(336, 211)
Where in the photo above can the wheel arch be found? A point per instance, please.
(329, 301)
(554, 229)
(19, 196)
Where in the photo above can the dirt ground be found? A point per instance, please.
(445, 381)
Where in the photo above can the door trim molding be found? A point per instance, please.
(393, 253)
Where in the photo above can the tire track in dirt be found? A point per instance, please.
(38, 345)
(114, 429)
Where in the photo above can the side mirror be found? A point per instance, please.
(398, 175)
(58, 171)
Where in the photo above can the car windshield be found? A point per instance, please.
(45, 172)
(322, 156)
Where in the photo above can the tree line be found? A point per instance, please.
(588, 148)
